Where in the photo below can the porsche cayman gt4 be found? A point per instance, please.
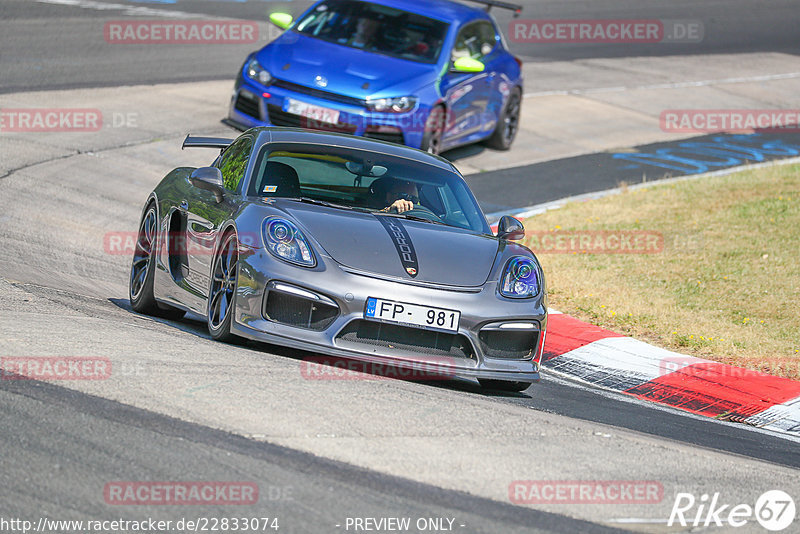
(347, 247)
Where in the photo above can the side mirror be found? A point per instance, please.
(208, 179)
(510, 228)
(468, 65)
(281, 20)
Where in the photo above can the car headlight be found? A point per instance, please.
(392, 105)
(285, 241)
(258, 73)
(520, 279)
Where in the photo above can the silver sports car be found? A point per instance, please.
(348, 247)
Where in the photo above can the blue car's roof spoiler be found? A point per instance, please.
(517, 9)
(206, 142)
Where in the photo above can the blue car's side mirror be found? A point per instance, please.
(281, 20)
(468, 65)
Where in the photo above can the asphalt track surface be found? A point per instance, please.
(118, 442)
(509, 190)
(60, 450)
(47, 45)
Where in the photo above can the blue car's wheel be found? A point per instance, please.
(434, 128)
(508, 124)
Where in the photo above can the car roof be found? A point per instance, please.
(274, 134)
(445, 10)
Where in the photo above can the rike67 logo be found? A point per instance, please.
(774, 510)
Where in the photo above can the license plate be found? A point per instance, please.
(310, 111)
(412, 314)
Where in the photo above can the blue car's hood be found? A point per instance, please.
(347, 70)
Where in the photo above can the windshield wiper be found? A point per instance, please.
(309, 200)
(413, 218)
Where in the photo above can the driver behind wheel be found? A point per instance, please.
(401, 196)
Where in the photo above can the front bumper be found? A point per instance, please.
(464, 354)
(253, 105)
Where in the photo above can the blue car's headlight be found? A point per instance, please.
(285, 241)
(520, 279)
(392, 105)
(258, 73)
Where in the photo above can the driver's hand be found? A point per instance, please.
(401, 206)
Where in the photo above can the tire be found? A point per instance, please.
(434, 128)
(502, 385)
(222, 290)
(140, 284)
(506, 130)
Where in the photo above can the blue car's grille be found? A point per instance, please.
(248, 105)
(318, 93)
(391, 137)
(278, 117)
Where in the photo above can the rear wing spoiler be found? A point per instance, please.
(517, 9)
(206, 142)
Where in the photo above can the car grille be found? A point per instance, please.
(297, 311)
(319, 93)
(395, 337)
(248, 104)
(509, 345)
(391, 137)
(278, 117)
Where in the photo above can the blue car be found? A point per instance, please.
(431, 75)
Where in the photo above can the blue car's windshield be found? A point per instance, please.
(367, 181)
(376, 28)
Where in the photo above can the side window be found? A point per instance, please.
(476, 40)
(233, 162)
(488, 38)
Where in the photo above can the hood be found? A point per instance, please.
(363, 241)
(300, 59)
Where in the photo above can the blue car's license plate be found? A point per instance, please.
(310, 111)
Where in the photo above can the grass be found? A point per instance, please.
(725, 285)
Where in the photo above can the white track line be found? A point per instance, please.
(128, 10)
(671, 85)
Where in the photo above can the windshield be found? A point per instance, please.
(366, 181)
(376, 28)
